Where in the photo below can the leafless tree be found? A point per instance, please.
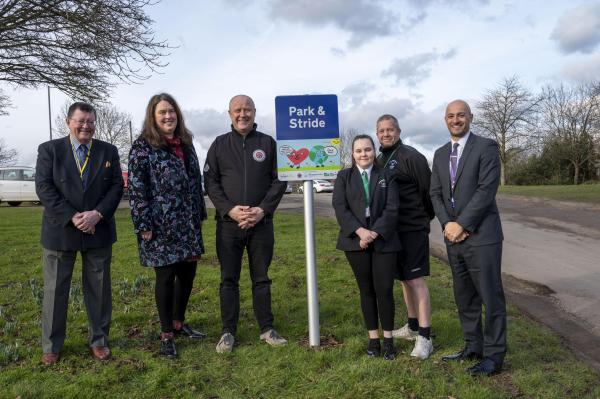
(572, 122)
(112, 126)
(507, 114)
(346, 138)
(78, 46)
(4, 103)
(8, 156)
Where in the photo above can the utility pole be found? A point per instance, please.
(49, 114)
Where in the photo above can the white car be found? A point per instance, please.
(319, 186)
(288, 189)
(17, 185)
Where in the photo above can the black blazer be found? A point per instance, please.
(477, 181)
(58, 185)
(349, 204)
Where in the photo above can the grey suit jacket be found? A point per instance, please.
(477, 182)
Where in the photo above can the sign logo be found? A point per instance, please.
(259, 155)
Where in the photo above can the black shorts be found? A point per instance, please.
(413, 260)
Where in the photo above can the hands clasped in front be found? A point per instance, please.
(366, 236)
(246, 216)
(86, 221)
(455, 233)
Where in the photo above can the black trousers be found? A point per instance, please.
(172, 292)
(231, 242)
(476, 273)
(374, 274)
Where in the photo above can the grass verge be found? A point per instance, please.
(580, 193)
(537, 366)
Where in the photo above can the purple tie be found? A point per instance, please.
(453, 164)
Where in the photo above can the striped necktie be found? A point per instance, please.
(453, 164)
(365, 180)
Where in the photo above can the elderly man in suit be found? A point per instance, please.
(79, 183)
(464, 181)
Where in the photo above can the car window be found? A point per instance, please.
(11, 174)
(28, 175)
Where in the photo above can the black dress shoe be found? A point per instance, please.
(463, 354)
(389, 352)
(374, 348)
(485, 367)
(167, 348)
(189, 332)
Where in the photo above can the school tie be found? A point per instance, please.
(82, 152)
(453, 164)
(365, 180)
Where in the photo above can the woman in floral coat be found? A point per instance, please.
(167, 208)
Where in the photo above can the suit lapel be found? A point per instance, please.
(96, 158)
(373, 179)
(464, 156)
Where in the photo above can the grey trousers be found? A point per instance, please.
(97, 295)
(476, 272)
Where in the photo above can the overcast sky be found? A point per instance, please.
(407, 58)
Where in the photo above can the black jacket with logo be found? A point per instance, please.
(242, 170)
(412, 172)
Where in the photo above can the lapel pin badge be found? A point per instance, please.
(107, 164)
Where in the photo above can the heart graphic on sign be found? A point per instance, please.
(297, 156)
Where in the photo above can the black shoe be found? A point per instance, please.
(389, 352)
(485, 367)
(189, 332)
(463, 354)
(167, 347)
(374, 348)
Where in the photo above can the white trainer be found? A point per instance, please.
(273, 338)
(405, 333)
(423, 348)
(225, 344)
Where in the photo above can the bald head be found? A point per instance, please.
(242, 112)
(458, 118)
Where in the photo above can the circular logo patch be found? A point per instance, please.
(206, 168)
(259, 155)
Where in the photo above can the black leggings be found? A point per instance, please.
(172, 292)
(374, 272)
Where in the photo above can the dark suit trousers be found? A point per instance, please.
(231, 242)
(374, 272)
(97, 295)
(477, 281)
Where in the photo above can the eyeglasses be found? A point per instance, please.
(82, 123)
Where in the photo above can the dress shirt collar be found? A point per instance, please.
(368, 170)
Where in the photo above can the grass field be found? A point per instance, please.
(580, 193)
(537, 365)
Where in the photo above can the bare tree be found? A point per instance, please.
(572, 122)
(4, 103)
(8, 156)
(112, 126)
(77, 46)
(507, 114)
(346, 138)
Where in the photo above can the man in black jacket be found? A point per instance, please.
(240, 175)
(414, 215)
(79, 183)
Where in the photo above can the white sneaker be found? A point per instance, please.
(273, 338)
(405, 333)
(423, 348)
(225, 344)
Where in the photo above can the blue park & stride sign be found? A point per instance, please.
(307, 131)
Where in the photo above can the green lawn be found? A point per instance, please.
(580, 193)
(537, 365)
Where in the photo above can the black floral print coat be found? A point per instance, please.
(166, 198)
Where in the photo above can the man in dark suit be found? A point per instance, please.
(79, 183)
(464, 181)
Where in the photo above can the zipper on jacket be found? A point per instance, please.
(245, 171)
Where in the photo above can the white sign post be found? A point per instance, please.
(308, 141)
